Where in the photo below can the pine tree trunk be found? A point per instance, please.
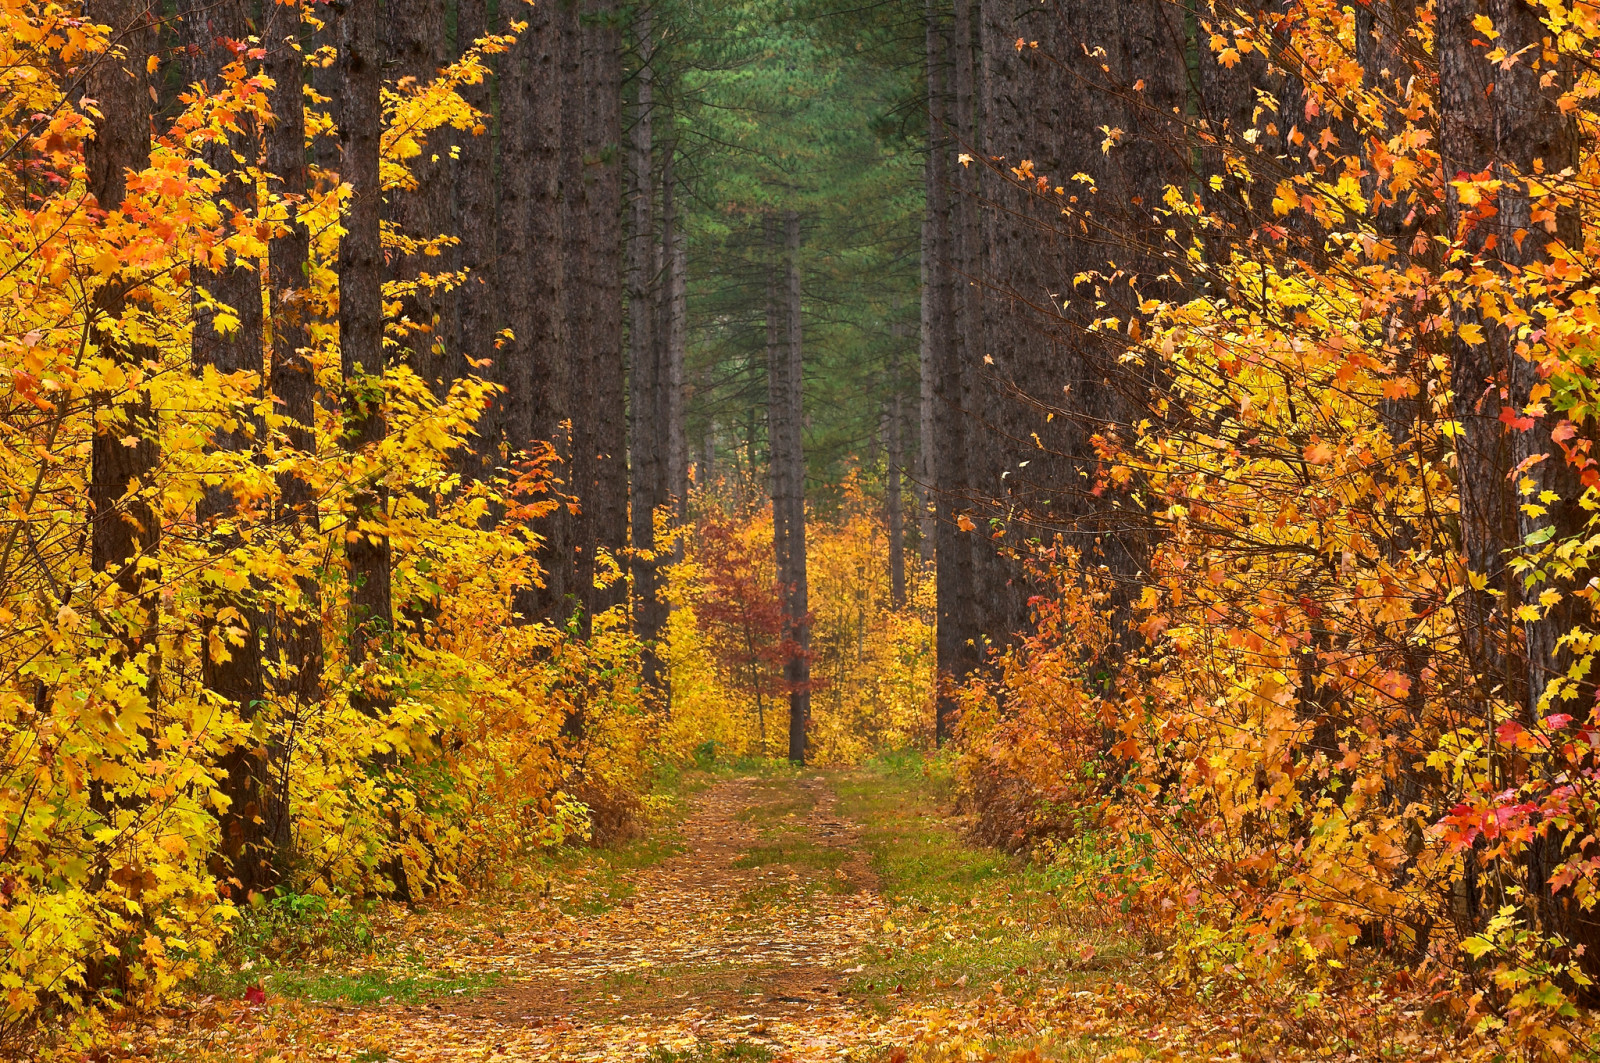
(532, 221)
(785, 414)
(415, 32)
(957, 630)
(231, 665)
(294, 638)
(644, 375)
(578, 273)
(922, 482)
(674, 322)
(361, 336)
(1502, 123)
(603, 150)
(124, 527)
(478, 228)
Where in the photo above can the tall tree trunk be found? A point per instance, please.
(785, 418)
(922, 482)
(231, 665)
(361, 336)
(532, 220)
(415, 32)
(674, 321)
(644, 376)
(1501, 124)
(295, 638)
(478, 228)
(1504, 122)
(124, 526)
(957, 630)
(578, 274)
(367, 551)
(896, 512)
(1055, 382)
(603, 153)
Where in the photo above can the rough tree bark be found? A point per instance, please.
(124, 526)
(361, 334)
(785, 414)
(956, 242)
(415, 41)
(478, 229)
(578, 276)
(644, 375)
(602, 155)
(1503, 124)
(295, 638)
(231, 666)
(672, 338)
(532, 220)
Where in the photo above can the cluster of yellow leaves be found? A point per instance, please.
(1311, 734)
(111, 885)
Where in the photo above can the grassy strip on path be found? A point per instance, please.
(965, 919)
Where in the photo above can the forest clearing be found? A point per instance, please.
(716, 531)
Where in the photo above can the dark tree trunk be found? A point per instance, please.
(674, 320)
(1502, 123)
(644, 370)
(477, 301)
(1049, 384)
(785, 418)
(415, 32)
(361, 264)
(956, 240)
(361, 336)
(295, 637)
(602, 155)
(532, 220)
(934, 329)
(551, 370)
(125, 527)
(577, 314)
(231, 666)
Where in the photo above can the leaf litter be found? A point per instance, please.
(711, 957)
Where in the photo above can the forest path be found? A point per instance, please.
(742, 938)
(754, 929)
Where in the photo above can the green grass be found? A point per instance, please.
(726, 1052)
(794, 852)
(980, 916)
(777, 814)
(374, 987)
(335, 986)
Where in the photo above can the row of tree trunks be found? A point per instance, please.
(657, 295)
(1016, 385)
(541, 241)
